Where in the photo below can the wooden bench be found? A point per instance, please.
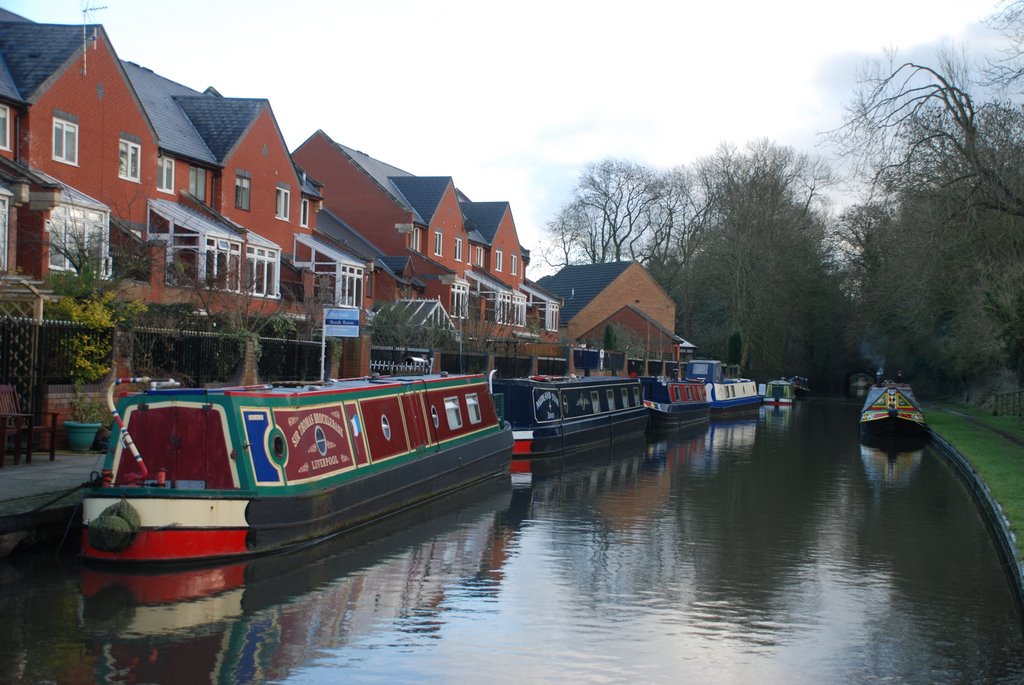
(18, 424)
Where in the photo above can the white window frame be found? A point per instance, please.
(304, 213)
(196, 173)
(261, 266)
(5, 127)
(165, 174)
(243, 191)
(282, 204)
(69, 224)
(497, 260)
(513, 265)
(458, 249)
(4, 219)
(222, 258)
(518, 309)
(453, 412)
(438, 244)
(551, 317)
(473, 408)
(350, 286)
(414, 240)
(460, 301)
(64, 131)
(129, 160)
(502, 307)
(479, 256)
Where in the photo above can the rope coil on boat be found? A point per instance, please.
(115, 528)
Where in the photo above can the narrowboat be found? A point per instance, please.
(554, 415)
(891, 411)
(727, 395)
(675, 403)
(210, 474)
(801, 387)
(781, 392)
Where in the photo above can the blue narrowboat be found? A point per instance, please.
(727, 395)
(552, 416)
(674, 403)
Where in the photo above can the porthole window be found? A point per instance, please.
(434, 417)
(277, 446)
(385, 427)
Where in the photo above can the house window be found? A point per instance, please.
(165, 174)
(513, 265)
(519, 309)
(197, 183)
(304, 213)
(78, 235)
(497, 260)
(284, 199)
(414, 240)
(5, 127)
(551, 317)
(242, 187)
(128, 155)
(4, 216)
(502, 305)
(350, 287)
(438, 244)
(223, 258)
(458, 249)
(479, 261)
(261, 265)
(65, 141)
(460, 301)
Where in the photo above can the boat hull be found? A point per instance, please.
(306, 472)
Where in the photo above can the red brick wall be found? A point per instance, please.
(633, 287)
(507, 240)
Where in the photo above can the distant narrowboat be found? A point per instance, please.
(199, 474)
(551, 416)
(727, 395)
(891, 411)
(675, 403)
(780, 391)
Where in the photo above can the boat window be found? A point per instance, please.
(473, 405)
(451, 408)
(611, 399)
(385, 427)
(636, 396)
(595, 401)
(565, 405)
(278, 447)
(674, 393)
(625, 397)
(434, 417)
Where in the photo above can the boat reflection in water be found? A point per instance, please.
(257, 620)
(891, 465)
(681, 449)
(777, 418)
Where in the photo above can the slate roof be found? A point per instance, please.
(307, 184)
(381, 172)
(578, 284)
(31, 53)
(176, 132)
(329, 225)
(220, 121)
(423, 193)
(484, 218)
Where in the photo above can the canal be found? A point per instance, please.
(769, 550)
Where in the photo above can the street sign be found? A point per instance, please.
(341, 323)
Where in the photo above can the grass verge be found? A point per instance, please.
(995, 447)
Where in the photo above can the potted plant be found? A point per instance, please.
(88, 416)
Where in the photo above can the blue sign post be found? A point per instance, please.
(341, 322)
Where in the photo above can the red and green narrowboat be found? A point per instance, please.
(201, 474)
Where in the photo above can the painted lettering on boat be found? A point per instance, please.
(317, 441)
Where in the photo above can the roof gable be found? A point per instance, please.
(423, 193)
(220, 121)
(34, 53)
(579, 284)
(484, 218)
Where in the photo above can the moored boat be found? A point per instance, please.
(801, 387)
(551, 416)
(780, 391)
(201, 474)
(727, 395)
(674, 403)
(891, 411)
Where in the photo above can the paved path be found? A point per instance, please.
(26, 487)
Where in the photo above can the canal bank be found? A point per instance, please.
(988, 454)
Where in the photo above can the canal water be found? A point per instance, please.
(773, 549)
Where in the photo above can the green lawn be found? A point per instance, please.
(989, 444)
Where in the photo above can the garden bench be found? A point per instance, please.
(18, 424)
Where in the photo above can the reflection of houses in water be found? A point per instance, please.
(888, 467)
(259, 619)
(776, 418)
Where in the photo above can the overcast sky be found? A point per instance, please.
(513, 99)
